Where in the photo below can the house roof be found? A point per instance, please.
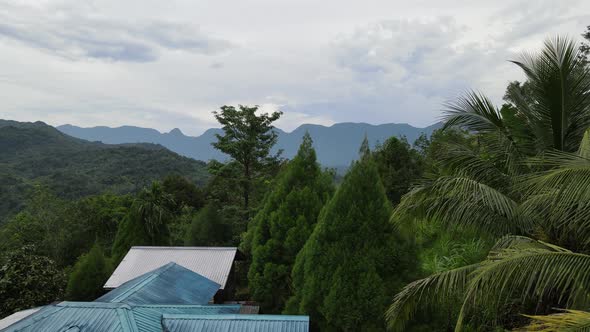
(15, 317)
(78, 316)
(235, 323)
(169, 284)
(109, 317)
(214, 263)
(149, 317)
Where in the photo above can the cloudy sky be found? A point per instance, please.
(167, 64)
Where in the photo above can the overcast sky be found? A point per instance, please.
(167, 64)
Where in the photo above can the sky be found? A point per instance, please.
(170, 64)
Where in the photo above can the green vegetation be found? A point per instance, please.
(247, 138)
(28, 280)
(484, 226)
(88, 276)
(35, 153)
(146, 223)
(279, 231)
(354, 260)
(525, 182)
(209, 228)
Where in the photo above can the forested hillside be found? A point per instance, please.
(36, 153)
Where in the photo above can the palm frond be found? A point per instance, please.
(528, 274)
(436, 289)
(462, 201)
(559, 83)
(473, 112)
(565, 321)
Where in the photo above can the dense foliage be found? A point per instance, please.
(354, 260)
(209, 228)
(247, 138)
(483, 226)
(28, 280)
(88, 276)
(525, 181)
(35, 153)
(286, 220)
(399, 165)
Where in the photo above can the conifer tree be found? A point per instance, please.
(88, 276)
(351, 265)
(281, 228)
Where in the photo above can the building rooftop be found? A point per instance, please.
(235, 323)
(213, 263)
(109, 317)
(169, 284)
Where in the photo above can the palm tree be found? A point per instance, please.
(527, 182)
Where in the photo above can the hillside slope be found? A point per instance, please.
(336, 145)
(33, 153)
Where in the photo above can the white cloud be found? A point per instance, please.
(170, 64)
(79, 35)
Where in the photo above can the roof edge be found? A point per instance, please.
(299, 318)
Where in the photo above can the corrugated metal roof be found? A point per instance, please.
(78, 316)
(17, 316)
(149, 317)
(235, 323)
(109, 317)
(213, 263)
(169, 284)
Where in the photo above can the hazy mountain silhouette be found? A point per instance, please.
(336, 145)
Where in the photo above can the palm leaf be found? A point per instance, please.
(438, 288)
(529, 274)
(565, 321)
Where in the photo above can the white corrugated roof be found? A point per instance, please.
(17, 316)
(213, 263)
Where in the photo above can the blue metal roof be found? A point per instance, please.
(169, 284)
(78, 316)
(149, 317)
(109, 317)
(235, 323)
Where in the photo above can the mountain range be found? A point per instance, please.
(38, 154)
(336, 145)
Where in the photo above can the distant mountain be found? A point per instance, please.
(71, 167)
(336, 145)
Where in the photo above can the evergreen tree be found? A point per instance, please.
(281, 228)
(351, 265)
(399, 165)
(208, 228)
(88, 276)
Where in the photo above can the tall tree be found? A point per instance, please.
(146, 223)
(399, 165)
(280, 229)
(247, 138)
(28, 280)
(88, 276)
(352, 262)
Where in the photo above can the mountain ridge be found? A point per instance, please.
(336, 145)
(34, 153)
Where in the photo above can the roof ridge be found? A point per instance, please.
(152, 275)
(301, 318)
(183, 248)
